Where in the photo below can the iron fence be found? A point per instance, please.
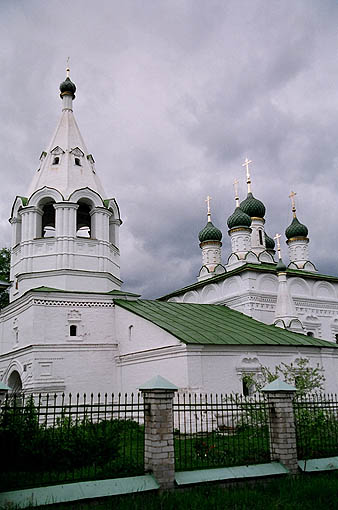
(47, 439)
(316, 418)
(220, 430)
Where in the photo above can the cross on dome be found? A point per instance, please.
(236, 192)
(248, 179)
(208, 207)
(293, 203)
(277, 239)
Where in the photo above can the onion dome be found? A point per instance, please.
(68, 88)
(253, 207)
(210, 233)
(239, 219)
(280, 266)
(269, 242)
(296, 229)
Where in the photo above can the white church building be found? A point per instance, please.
(70, 327)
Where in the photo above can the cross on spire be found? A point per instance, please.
(277, 238)
(68, 67)
(248, 179)
(236, 192)
(293, 203)
(208, 207)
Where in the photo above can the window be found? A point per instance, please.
(56, 160)
(48, 220)
(72, 330)
(83, 220)
(260, 237)
(336, 337)
(310, 333)
(247, 387)
(77, 162)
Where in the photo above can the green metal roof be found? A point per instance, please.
(215, 325)
(263, 268)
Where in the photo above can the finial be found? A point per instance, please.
(236, 192)
(277, 238)
(208, 206)
(292, 196)
(68, 67)
(248, 180)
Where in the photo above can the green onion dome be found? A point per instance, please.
(210, 233)
(269, 242)
(296, 229)
(67, 87)
(238, 219)
(281, 266)
(253, 207)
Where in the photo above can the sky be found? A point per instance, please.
(172, 96)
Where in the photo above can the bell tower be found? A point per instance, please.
(65, 232)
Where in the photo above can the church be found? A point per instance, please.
(70, 326)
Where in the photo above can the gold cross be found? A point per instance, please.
(293, 203)
(246, 164)
(248, 180)
(208, 206)
(277, 238)
(236, 192)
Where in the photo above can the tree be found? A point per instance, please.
(300, 374)
(5, 262)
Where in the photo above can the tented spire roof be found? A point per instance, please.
(66, 164)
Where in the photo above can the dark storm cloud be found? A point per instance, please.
(172, 96)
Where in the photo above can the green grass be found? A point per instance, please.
(248, 445)
(307, 492)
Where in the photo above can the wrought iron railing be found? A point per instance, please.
(48, 439)
(220, 430)
(316, 418)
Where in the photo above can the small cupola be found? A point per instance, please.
(67, 87)
(296, 229)
(210, 238)
(239, 219)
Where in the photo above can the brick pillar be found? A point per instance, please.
(283, 445)
(159, 455)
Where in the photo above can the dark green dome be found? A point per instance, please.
(239, 219)
(67, 87)
(253, 207)
(281, 266)
(269, 242)
(210, 233)
(296, 229)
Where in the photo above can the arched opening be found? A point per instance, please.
(260, 237)
(310, 333)
(83, 220)
(73, 330)
(14, 382)
(48, 219)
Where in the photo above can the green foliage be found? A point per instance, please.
(68, 449)
(5, 262)
(300, 374)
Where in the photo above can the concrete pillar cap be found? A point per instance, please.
(279, 386)
(158, 383)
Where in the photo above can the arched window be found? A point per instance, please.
(73, 330)
(14, 382)
(83, 220)
(260, 237)
(309, 333)
(48, 219)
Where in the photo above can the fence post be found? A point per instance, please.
(159, 454)
(283, 444)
